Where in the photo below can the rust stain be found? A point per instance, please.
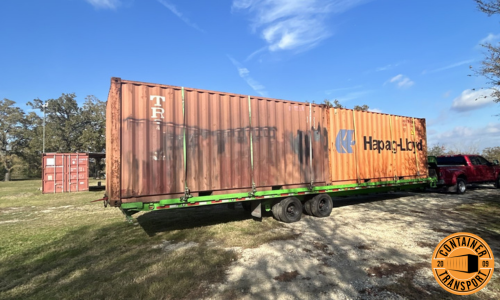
(146, 143)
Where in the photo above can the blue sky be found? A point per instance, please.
(407, 58)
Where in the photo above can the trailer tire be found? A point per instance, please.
(307, 207)
(321, 205)
(461, 186)
(276, 209)
(290, 210)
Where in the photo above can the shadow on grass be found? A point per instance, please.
(188, 218)
(356, 200)
(117, 261)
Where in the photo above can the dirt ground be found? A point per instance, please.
(63, 246)
(371, 247)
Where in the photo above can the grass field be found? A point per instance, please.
(61, 246)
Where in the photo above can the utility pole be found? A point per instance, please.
(44, 107)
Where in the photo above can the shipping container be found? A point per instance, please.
(170, 147)
(65, 172)
(468, 263)
(368, 146)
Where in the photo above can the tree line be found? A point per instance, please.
(68, 128)
(490, 153)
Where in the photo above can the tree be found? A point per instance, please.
(11, 125)
(336, 104)
(436, 150)
(363, 107)
(31, 144)
(489, 7)
(492, 153)
(64, 125)
(490, 67)
(93, 138)
(93, 114)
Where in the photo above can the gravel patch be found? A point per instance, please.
(371, 247)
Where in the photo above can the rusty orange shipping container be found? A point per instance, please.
(166, 144)
(232, 143)
(375, 147)
(65, 172)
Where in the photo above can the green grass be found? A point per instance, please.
(61, 246)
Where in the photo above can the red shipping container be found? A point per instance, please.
(65, 172)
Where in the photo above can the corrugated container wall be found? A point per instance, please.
(65, 172)
(367, 146)
(223, 133)
(164, 140)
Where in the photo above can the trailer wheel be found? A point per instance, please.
(461, 186)
(321, 205)
(290, 210)
(276, 209)
(307, 207)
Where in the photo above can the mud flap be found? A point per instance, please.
(256, 209)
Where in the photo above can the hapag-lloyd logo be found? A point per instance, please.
(346, 140)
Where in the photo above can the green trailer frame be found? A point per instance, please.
(267, 198)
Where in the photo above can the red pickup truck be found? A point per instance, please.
(454, 172)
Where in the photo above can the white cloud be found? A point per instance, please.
(387, 67)
(451, 66)
(110, 4)
(401, 81)
(245, 74)
(490, 39)
(375, 110)
(180, 15)
(296, 25)
(470, 100)
(469, 137)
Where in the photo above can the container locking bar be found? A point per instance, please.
(254, 190)
(187, 193)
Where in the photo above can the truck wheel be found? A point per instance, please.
(321, 205)
(290, 210)
(276, 209)
(461, 186)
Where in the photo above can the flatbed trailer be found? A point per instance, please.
(266, 199)
(170, 147)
